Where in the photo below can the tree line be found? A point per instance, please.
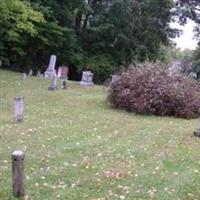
(100, 35)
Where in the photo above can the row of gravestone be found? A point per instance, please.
(63, 71)
(87, 76)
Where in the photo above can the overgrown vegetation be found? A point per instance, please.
(149, 89)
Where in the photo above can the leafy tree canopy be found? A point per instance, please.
(100, 35)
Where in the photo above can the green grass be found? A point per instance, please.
(77, 147)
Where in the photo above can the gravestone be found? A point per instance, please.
(0, 63)
(114, 78)
(87, 79)
(197, 131)
(39, 73)
(49, 73)
(30, 72)
(53, 85)
(24, 76)
(19, 109)
(192, 75)
(175, 68)
(63, 72)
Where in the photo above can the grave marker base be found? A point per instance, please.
(197, 132)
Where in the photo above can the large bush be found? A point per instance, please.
(149, 89)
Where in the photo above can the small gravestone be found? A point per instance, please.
(176, 68)
(197, 132)
(18, 176)
(53, 85)
(87, 79)
(19, 109)
(114, 78)
(64, 72)
(30, 72)
(49, 73)
(63, 75)
(24, 76)
(192, 75)
(39, 73)
(0, 63)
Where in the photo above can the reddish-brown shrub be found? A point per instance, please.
(149, 89)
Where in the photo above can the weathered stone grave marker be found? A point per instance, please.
(53, 85)
(19, 109)
(39, 73)
(197, 131)
(87, 79)
(63, 72)
(114, 78)
(18, 177)
(49, 73)
(24, 76)
(175, 68)
(30, 72)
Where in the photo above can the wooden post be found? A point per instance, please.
(19, 109)
(18, 177)
(197, 132)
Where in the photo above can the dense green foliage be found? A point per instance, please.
(97, 34)
(17, 21)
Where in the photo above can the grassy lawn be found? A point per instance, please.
(77, 147)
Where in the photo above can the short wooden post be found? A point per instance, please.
(19, 109)
(18, 177)
(197, 132)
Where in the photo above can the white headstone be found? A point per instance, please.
(53, 85)
(192, 75)
(30, 72)
(24, 76)
(114, 78)
(51, 67)
(175, 68)
(87, 79)
(39, 73)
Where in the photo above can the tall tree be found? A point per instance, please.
(17, 20)
(97, 34)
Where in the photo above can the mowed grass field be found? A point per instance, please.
(77, 147)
